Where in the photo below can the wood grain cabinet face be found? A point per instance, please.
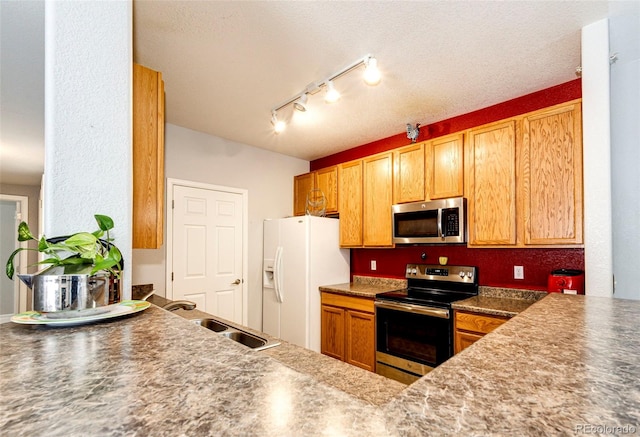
(408, 174)
(444, 167)
(348, 329)
(350, 203)
(492, 185)
(551, 168)
(302, 184)
(148, 158)
(378, 198)
(332, 333)
(360, 339)
(327, 182)
(471, 327)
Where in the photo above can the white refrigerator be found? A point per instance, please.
(300, 254)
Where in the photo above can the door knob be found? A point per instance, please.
(236, 282)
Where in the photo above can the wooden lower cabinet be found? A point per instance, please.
(333, 334)
(471, 327)
(348, 329)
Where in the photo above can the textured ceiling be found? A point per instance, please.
(226, 64)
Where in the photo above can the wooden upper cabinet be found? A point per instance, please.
(302, 184)
(327, 182)
(444, 167)
(492, 184)
(148, 158)
(350, 203)
(551, 169)
(408, 174)
(378, 197)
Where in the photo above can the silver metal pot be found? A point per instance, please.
(71, 295)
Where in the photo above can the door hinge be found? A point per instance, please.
(173, 204)
(171, 276)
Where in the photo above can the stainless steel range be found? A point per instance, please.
(414, 327)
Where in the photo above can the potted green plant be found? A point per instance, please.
(84, 268)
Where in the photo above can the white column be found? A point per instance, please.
(598, 251)
(624, 34)
(88, 106)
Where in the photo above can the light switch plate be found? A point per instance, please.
(373, 264)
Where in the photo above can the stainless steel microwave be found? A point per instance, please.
(437, 221)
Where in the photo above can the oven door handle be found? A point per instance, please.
(418, 309)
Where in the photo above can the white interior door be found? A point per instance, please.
(13, 293)
(207, 246)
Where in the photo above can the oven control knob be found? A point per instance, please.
(414, 271)
(461, 274)
(469, 274)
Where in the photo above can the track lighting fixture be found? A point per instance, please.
(371, 76)
(301, 103)
(331, 95)
(278, 125)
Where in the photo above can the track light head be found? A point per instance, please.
(331, 94)
(301, 103)
(372, 75)
(278, 125)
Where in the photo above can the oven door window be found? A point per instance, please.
(416, 337)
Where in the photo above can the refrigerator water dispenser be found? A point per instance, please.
(267, 274)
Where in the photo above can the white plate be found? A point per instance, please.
(116, 310)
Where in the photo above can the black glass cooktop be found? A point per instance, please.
(425, 296)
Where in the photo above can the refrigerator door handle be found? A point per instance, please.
(277, 274)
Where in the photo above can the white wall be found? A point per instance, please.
(88, 79)
(267, 176)
(624, 31)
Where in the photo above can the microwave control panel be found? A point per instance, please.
(451, 222)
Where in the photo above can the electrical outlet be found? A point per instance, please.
(518, 272)
(373, 264)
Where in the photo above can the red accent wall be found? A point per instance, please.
(495, 266)
(520, 105)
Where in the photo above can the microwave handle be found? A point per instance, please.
(440, 234)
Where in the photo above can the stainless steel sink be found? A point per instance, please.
(246, 339)
(212, 325)
(238, 335)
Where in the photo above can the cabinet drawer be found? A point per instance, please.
(349, 302)
(477, 322)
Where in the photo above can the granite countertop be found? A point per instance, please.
(362, 384)
(155, 373)
(366, 286)
(565, 365)
(503, 302)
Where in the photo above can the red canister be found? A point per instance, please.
(566, 281)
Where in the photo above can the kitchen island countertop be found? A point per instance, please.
(362, 384)
(565, 365)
